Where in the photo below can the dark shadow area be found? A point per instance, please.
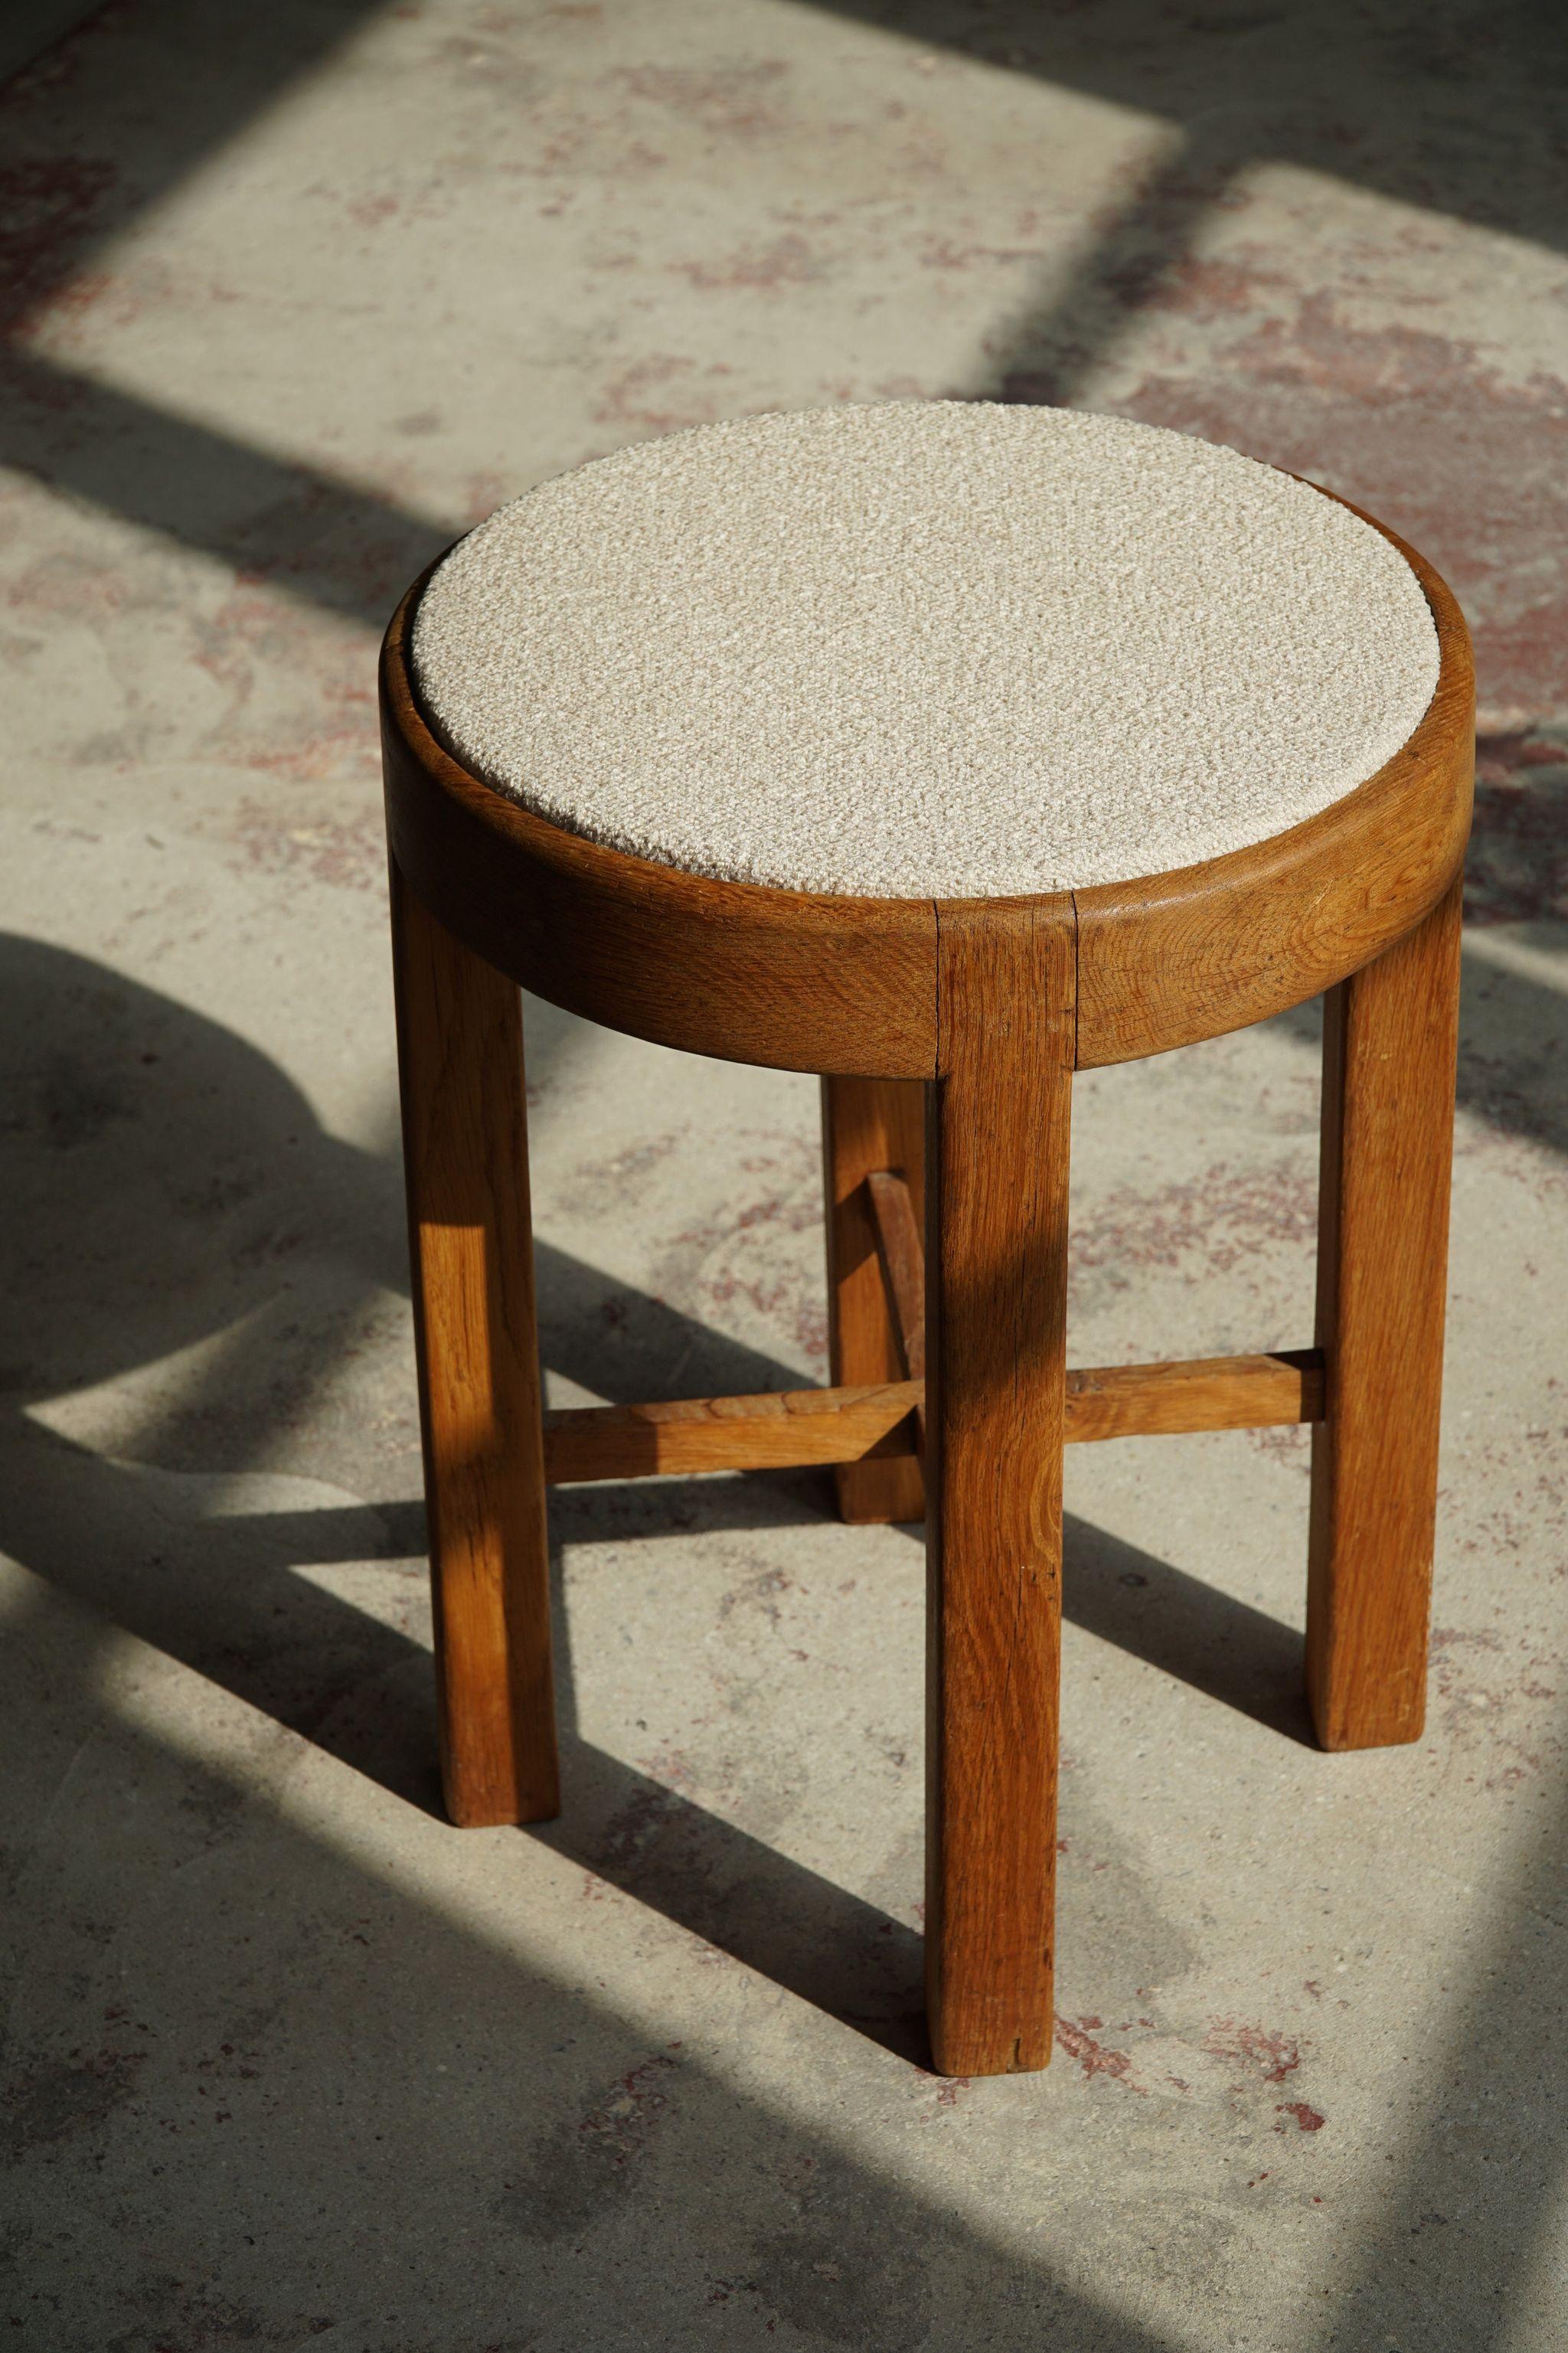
(220, 1594)
(344, 2064)
(170, 1184)
(1456, 107)
(29, 28)
(1173, 1622)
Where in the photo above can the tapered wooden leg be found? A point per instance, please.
(867, 1125)
(995, 1370)
(460, 1032)
(1391, 1035)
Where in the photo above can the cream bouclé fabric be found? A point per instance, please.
(925, 649)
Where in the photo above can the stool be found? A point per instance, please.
(943, 749)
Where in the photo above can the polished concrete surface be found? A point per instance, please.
(291, 295)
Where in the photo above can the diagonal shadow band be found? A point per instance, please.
(220, 1595)
(1221, 1647)
(291, 527)
(232, 70)
(1448, 108)
(1047, 355)
(502, 2086)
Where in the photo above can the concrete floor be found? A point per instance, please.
(291, 295)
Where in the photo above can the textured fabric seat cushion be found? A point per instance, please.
(914, 648)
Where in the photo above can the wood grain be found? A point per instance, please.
(902, 1255)
(1174, 957)
(1175, 1399)
(792, 1429)
(465, 1141)
(1390, 1044)
(869, 1124)
(780, 1430)
(996, 1297)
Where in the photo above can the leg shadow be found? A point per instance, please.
(1221, 1647)
(223, 1595)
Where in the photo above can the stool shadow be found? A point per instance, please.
(222, 1595)
(117, 1094)
(740, 1896)
(1226, 1649)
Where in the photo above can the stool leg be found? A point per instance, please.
(867, 1125)
(997, 1226)
(459, 1035)
(1390, 1041)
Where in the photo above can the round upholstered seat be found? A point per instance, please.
(912, 649)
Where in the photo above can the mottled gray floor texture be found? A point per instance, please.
(292, 296)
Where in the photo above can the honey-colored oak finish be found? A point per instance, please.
(1203, 1393)
(901, 1250)
(1390, 1040)
(901, 1253)
(782, 1429)
(787, 1430)
(869, 1124)
(952, 1028)
(1171, 958)
(997, 1213)
(465, 1141)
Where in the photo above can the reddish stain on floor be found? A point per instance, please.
(1074, 2037)
(49, 207)
(1278, 2055)
(1517, 870)
(740, 99)
(1469, 463)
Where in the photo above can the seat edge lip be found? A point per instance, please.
(1167, 958)
(546, 837)
(740, 971)
(1156, 967)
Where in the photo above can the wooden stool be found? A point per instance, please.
(948, 1029)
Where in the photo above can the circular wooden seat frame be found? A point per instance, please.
(947, 1032)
